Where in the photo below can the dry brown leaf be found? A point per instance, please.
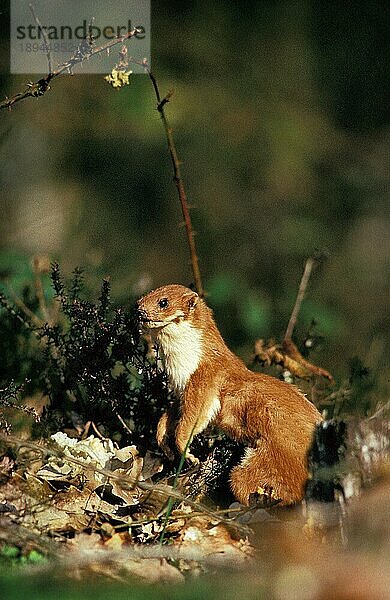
(96, 454)
(128, 463)
(67, 511)
(152, 465)
(35, 507)
(175, 526)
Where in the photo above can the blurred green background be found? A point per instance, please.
(280, 118)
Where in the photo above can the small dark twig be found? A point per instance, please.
(164, 101)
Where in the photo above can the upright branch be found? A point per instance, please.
(287, 354)
(301, 294)
(161, 102)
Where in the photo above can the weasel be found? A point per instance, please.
(272, 418)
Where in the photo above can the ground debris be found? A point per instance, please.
(99, 510)
(100, 505)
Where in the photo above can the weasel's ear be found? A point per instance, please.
(192, 300)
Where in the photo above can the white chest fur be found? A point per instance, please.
(181, 348)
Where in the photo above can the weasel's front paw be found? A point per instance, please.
(193, 460)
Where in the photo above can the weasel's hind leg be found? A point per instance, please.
(267, 467)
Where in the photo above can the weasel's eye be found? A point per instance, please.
(163, 303)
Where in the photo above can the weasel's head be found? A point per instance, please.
(169, 315)
(166, 305)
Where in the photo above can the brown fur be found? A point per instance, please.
(272, 418)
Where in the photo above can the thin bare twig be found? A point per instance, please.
(45, 38)
(96, 430)
(123, 423)
(301, 293)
